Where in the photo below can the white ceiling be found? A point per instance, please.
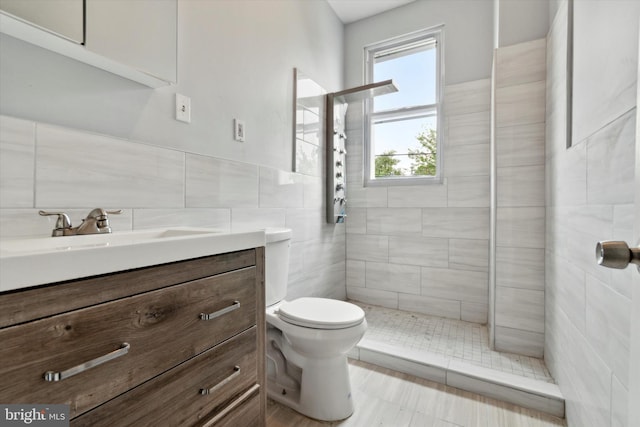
(354, 10)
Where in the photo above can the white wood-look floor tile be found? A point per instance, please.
(391, 399)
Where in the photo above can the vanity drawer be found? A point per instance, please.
(246, 414)
(175, 398)
(39, 302)
(163, 328)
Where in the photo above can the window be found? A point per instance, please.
(402, 139)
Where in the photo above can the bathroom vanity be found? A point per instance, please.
(180, 343)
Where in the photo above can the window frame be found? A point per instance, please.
(370, 117)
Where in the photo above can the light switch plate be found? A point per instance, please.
(183, 108)
(238, 130)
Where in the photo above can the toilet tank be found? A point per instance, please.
(278, 243)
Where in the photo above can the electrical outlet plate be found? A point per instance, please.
(238, 130)
(183, 108)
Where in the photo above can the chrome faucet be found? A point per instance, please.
(97, 222)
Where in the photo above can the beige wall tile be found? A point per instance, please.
(520, 268)
(463, 223)
(393, 277)
(466, 160)
(469, 286)
(469, 254)
(394, 221)
(521, 63)
(470, 128)
(164, 218)
(418, 196)
(520, 105)
(417, 250)
(521, 227)
(470, 97)
(521, 186)
(17, 152)
(429, 305)
(521, 145)
(373, 296)
(367, 248)
(468, 191)
(131, 176)
(521, 309)
(280, 189)
(520, 342)
(212, 182)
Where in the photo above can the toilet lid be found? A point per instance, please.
(321, 313)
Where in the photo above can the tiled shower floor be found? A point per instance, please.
(454, 339)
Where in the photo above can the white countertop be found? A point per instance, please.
(37, 261)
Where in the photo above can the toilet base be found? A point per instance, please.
(316, 387)
(324, 392)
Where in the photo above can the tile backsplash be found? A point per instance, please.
(56, 168)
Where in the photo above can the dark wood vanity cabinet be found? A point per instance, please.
(184, 343)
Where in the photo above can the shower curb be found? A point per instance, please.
(526, 392)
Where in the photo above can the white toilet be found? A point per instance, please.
(307, 341)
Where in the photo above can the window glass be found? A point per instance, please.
(405, 147)
(413, 73)
(402, 138)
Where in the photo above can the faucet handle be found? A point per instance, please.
(63, 222)
(63, 219)
(116, 212)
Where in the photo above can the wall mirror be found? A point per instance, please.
(309, 122)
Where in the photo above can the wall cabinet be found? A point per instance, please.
(188, 339)
(141, 34)
(133, 39)
(62, 17)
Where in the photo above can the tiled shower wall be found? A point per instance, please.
(425, 248)
(54, 168)
(520, 76)
(590, 198)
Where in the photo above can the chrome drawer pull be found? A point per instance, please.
(236, 372)
(59, 376)
(234, 306)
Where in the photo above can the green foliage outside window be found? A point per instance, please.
(423, 159)
(385, 164)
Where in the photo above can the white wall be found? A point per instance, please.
(235, 59)
(468, 36)
(73, 137)
(522, 21)
(589, 197)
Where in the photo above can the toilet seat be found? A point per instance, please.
(321, 313)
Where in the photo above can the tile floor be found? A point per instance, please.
(386, 398)
(453, 339)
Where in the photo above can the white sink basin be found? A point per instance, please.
(37, 261)
(67, 243)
